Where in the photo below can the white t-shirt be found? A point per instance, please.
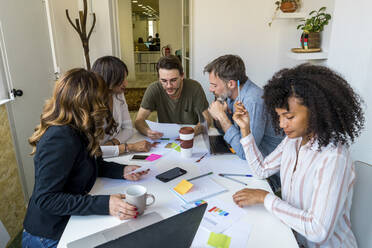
(124, 129)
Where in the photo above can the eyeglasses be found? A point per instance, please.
(172, 81)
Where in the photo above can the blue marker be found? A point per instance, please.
(238, 175)
(238, 91)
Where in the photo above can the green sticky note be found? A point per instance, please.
(219, 240)
(176, 147)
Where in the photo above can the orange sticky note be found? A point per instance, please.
(183, 187)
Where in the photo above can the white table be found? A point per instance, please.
(266, 229)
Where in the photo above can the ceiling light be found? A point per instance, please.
(140, 5)
(134, 1)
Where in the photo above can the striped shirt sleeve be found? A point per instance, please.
(331, 187)
(262, 168)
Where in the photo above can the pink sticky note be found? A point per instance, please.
(153, 157)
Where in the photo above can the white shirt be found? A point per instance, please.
(124, 129)
(316, 196)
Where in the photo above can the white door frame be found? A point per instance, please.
(115, 31)
(114, 27)
(189, 27)
(35, 79)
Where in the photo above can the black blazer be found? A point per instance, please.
(64, 174)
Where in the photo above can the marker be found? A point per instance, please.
(238, 90)
(164, 138)
(206, 174)
(232, 179)
(237, 175)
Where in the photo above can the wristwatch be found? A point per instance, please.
(126, 150)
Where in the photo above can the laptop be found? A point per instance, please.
(216, 144)
(177, 231)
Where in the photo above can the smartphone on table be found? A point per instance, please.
(139, 157)
(171, 174)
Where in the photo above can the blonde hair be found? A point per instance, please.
(80, 100)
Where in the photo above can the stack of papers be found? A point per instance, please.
(203, 188)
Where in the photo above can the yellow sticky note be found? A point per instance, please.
(219, 240)
(183, 187)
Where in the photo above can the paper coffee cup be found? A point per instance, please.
(186, 136)
(186, 144)
(187, 141)
(186, 153)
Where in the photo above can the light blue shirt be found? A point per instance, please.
(260, 122)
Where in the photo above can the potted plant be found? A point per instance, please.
(312, 26)
(286, 6)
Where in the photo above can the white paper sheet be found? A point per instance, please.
(219, 215)
(169, 130)
(223, 164)
(203, 188)
(239, 233)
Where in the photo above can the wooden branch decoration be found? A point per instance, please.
(81, 29)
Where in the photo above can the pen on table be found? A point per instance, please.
(206, 174)
(197, 161)
(232, 179)
(237, 175)
(164, 138)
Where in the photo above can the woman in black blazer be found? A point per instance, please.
(68, 160)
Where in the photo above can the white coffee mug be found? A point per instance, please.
(136, 195)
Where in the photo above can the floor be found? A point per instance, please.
(141, 82)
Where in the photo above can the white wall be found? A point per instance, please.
(126, 36)
(69, 51)
(140, 28)
(100, 43)
(351, 55)
(241, 27)
(170, 25)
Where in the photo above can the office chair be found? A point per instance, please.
(361, 209)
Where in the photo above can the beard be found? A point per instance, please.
(173, 91)
(223, 96)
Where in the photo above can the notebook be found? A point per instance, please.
(203, 188)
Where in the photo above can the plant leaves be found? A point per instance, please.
(322, 9)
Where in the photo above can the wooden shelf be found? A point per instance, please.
(294, 15)
(308, 56)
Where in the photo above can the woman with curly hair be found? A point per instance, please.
(68, 159)
(320, 115)
(115, 72)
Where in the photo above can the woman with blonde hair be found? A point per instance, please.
(67, 159)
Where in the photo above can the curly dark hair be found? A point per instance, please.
(336, 115)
